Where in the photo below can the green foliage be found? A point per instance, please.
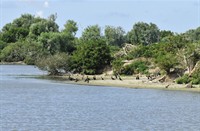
(14, 52)
(166, 61)
(143, 33)
(165, 34)
(193, 35)
(2, 45)
(32, 51)
(71, 28)
(196, 76)
(135, 68)
(14, 34)
(57, 42)
(54, 64)
(91, 57)
(41, 27)
(114, 35)
(141, 51)
(30, 39)
(18, 29)
(117, 65)
(114, 49)
(194, 79)
(91, 33)
(20, 51)
(183, 80)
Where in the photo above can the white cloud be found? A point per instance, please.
(46, 4)
(39, 14)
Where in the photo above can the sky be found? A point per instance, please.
(175, 15)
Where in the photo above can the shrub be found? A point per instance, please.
(117, 65)
(183, 80)
(54, 64)
(135, 67)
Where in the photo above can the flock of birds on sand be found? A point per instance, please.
(87, 79)
(113, 77)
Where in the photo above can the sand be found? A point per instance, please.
(131, 82)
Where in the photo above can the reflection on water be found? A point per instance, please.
(28, 104)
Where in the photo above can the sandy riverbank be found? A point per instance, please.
(131, 82)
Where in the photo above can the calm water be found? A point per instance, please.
(28, 104)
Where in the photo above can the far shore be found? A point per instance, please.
(127, 82)
(13, 63)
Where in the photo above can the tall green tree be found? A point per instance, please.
(114, 35)
(19, 28)
(71, 28)
(143, 33)
(54, 42)
(46, 25)
(91, 57)
(91, 33)
(193, 35)
(54, 64)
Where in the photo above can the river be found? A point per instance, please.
(30, 104)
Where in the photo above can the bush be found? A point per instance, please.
(14, 52)
(91, 57)
(196, 77)
(117, 65)
(183, 80)
(54, 64)
(135, 68)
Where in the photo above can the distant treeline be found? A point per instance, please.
(39, 41)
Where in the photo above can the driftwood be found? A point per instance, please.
(162, 79)
(189, 85)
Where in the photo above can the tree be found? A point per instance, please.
(114, 36)
(14, 52)
(189, 56)
(26, 51)
(71, 28)
(18, 29)
(41, 27)
(54, 64)
(164, 34)
(91, 33)
(13, 34)
(2, 45)
(143, 33)
(50, 42)
(54, 42)
(91, 57)
(166, 61)
(25, 21)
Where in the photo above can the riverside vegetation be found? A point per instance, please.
(144, 50)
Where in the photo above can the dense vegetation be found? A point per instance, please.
(145, 47)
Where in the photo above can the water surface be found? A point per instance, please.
(28, 104)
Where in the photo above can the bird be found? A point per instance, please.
(87, 79)
(112, 78)
(167, 86)
(102, 78)
(120, 78)
(94, 78)
(76, 80)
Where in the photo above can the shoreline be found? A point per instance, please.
(127, 82)
(13, 63)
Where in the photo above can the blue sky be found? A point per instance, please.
(175, 15)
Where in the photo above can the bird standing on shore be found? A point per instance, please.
(102, 78)
(87, 79)
(120, 78)
(94, 78)
(112, 78)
